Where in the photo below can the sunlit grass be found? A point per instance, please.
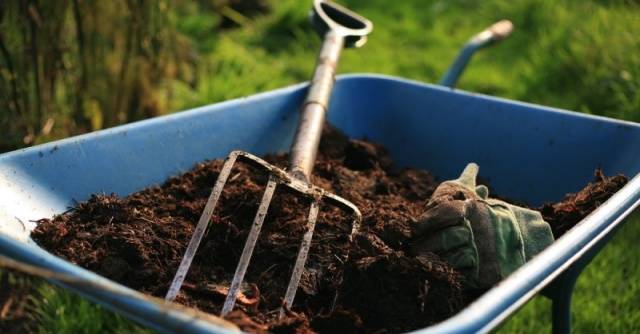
(59, 311)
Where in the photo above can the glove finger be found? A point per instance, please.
(441, 216)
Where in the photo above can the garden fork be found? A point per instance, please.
(340, 28)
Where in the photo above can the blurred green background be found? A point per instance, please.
(72, 66)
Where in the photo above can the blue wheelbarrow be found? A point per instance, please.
(530, 153)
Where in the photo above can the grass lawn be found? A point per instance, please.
(575, 55)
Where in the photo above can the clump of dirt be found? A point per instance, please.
(369, 285)
(373, 283)
(563, 215)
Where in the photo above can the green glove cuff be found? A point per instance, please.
(507, 236)
(536, 233)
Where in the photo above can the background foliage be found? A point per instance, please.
(67, 67)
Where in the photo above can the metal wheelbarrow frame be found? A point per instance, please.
(442, 129)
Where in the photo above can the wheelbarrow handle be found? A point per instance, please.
(496, 32)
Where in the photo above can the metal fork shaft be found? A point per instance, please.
(307, 138)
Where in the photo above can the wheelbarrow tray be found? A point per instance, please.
(527, 152)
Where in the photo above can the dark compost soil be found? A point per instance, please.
(371, 285)
(563, 215)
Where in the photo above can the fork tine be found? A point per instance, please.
(292, 288)
(249, 245)
(276, 176)
(198, 233)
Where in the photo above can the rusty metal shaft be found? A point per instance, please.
(307, 138)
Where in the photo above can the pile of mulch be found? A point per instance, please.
(370, 285)
(563, 215)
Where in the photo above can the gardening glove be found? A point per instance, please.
(485, 239)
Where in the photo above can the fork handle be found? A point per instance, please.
(314, 109)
